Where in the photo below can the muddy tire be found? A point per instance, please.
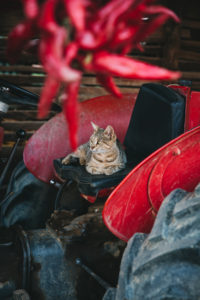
(166, 263)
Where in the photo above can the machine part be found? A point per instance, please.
(20, 295)
(52, 276)
(12, 94)
(20, 136)
(166, 263)
(166, 119)
(15, 261)
(69, 198)
(89, 184)
(3, 108)
(55, 183)
(52, 272)
(133, 204)
(29, 202)
(53, 135)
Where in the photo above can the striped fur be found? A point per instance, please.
(103, 154)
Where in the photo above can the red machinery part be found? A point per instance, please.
(51, 140)
(194, 110)
(131, 207)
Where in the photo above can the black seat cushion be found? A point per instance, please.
(89, 184)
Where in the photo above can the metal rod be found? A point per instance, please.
(101, 281)
(20, 135)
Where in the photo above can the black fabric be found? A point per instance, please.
(157, 118)
(89, 184)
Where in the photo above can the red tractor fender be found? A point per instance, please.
(133, 205)
(51, 140)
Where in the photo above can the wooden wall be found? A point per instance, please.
(175, 46)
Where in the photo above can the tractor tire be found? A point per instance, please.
(164, 264)
(29, 202)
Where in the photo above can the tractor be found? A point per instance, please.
(59, 222)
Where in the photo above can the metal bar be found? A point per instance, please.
(101, 281)
(20, 135)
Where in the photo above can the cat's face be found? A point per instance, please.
(101, 140)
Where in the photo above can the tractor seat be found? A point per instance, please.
(157, 118)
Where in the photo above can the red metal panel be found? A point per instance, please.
(51, 140)
(194, 110)
(131, 206)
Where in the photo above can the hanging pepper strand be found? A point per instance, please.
(49, 91)
(98, 36)
(71, 111)
(30, 8)
(76, 11)
(18, 39)
(117, 65)
(108, 83)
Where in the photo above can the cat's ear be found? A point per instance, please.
(95, 127)
(110, 133)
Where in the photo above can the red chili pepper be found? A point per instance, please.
(49, 91)
(47, 20)
(51, 48)
(118, 65)
(18, 38)
(88, 40)
(71, 111)
(158, 16)
(30, 8)
(157, 9)
(109, 84)
(76, 11)
(71, 51)
(97, 38)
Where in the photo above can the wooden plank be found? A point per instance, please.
(10, 137)
(25, 59)
(11, 125)
(18, 68)
(89, 80)
(25, 115)
(186, 65)
(23, 79)
(190, 44)
(86, 83)
(5, 151)
(191, 75)
(194, 24)
(91, 92)
(189, 55)
(185, 33)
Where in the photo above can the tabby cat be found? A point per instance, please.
(102, 154)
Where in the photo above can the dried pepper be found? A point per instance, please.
(78, 35)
